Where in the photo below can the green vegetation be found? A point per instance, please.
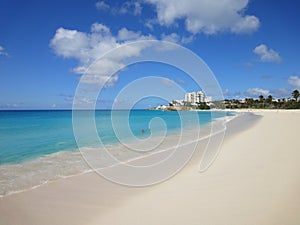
(200, 105)
(203, 106)
(265, 103)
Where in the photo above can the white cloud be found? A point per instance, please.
(132, 7)
(281, 92)
(84, 101)
(101, 5)
(294, 81)
(173, 37)
(246, 24)
(266, 54)
(69, 43)
(10, 105)
(226, 92)
(167, 82)
(232, 95)
(137, 8)
(125, 35)
(2, 52)
(80, 100)
(186, 40)
(278, 93)
(206, 16)
(255, 92)
(98, 27)
(127, 7)
(150, 23)
(87, 47)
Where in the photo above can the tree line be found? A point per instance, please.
(265, 103)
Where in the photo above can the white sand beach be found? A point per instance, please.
(254, 180)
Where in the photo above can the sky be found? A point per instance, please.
(252, 48)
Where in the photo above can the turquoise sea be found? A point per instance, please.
(43, 140)
(26, 134)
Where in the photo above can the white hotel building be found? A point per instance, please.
(196, 97)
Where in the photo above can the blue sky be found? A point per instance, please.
(252, 47)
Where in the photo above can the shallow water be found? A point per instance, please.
(38, 146)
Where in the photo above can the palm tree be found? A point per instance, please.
(269, 99)
(295, 94)
(261, 98)
(249, 102)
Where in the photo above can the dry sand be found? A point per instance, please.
(254, 180)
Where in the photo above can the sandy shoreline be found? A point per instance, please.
(255, 180)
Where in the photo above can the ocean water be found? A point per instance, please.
(39, 146)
